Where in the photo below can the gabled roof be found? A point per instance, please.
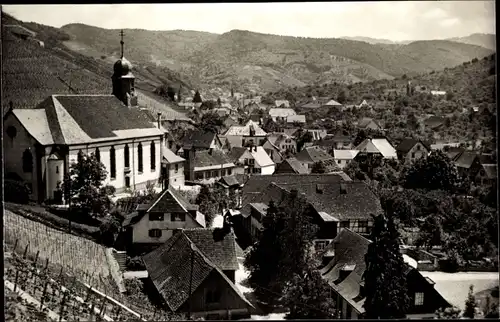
(465, 159)
(199, 139)
(290, 132)
(169, 266)
(345, 154)
(350, 249)
(281, 112)
(210, 159)
(312, 154)
(233, 141)
(365, 121)
(312, 105)
(245, 130)
(230, 181)
(261, 157)
(332, 103)
(407, 144)
(381, 146)
(75, 119)
(170, 157)
(434, 121)
(296, 118)
(490, 170)
(237, 153)
(294, 164)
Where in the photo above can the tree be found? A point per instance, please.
(219, 102)
(470, 304)
(83, 186)
(436, 171)
(232, 92)
(308, 297)
(450, 313)
(385, 279)
(109, 229)
(171, 93)
(211, 122)
(270, 126)
(304, 138)
(197, 97)
(342, 97)
(318, 167)
(179, 98)
(212, 201)
(360, 137)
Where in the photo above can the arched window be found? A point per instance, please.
(139, 157)
(98, 154)
(127, 156)
(112, 162)
(153, 156)
(27, 161)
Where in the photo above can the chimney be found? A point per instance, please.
(159, 120)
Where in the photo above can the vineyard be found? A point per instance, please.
(68, 275)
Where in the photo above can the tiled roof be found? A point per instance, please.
(236, 153)
(332, 103)
(36, 123)
(381, 146)
(365, 121)
(490, 170)
(345, 154)
(198, 139)
(281, 112)
(230, 181)
(296, 118)
(312, 105)
(169, 266)
(313, 154)
(350, 249)
(295, 165)
(169, 156)
(434, 121)
(245, 130)
(465, 159)
(216, 158)
(233, 141)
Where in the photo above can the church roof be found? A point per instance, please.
(76, 119)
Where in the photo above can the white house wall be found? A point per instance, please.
(268, 170)
(141, 228)
(176, 179)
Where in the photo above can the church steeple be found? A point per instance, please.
(123, 79)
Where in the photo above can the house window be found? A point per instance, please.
(156, 217)
(98, 155)
(127, 156)
(214, 174)
(229, 172)
(363, 226)
(344, 224)
(199, 175)
(153, 156)
(413, 155)
(140, 167)
(176, 167)
(127, 182)
(320, 245)
(178, 217)
(57, 169)
(213, 296)
(418, 147)
(155, 233)
(251, 162)
(419, 299)
(112, 162)
(27, 161)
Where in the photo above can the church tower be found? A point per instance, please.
(123, 79)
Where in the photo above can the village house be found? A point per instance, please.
(152, 224)
(277, 145)
(376, 147)
(312, 105)
(332, 103)
(434, 122)
(438, 93)
(201, 141)
(344, 273)
(234, 183)
(250, 132)
(172, 169)
(206, 166)
(479, 168)
(193, 273)
(296, 120)
(251, 160)
(291, 166)
(335, 203)
(364, 103)
(368, 123)
(487, 175)
(336, 142)
(310, 155)
(317, 134)
(43, 141)
(281, 114)
(229, 142)
(344, 157)
(410, 150)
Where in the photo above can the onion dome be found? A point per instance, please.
(122, 67)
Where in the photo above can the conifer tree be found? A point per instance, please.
(197, 97)
(385, 276)
(470, 304)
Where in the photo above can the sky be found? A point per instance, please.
(393, 20)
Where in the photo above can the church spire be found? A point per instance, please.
(121, 42)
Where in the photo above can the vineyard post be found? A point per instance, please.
(92, 308)
(60, 273)
(15, 246)
(103, 306)
(117, 317)
(26, 250)
(88, 293)
(44, 293)
(15, 281)
(46, 264)
(63, 303)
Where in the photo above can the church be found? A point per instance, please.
(41, 142)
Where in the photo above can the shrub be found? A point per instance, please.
(16, 191)
(135, 263)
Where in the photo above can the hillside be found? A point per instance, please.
(265, 62)
(467, 85)
(483, 40)
(31, 72)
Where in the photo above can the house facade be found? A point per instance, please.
(173, 169)
(410, 150)
(153, 224)
(250, 132)
(344, 157)
(207, 166)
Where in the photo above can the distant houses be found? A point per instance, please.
(250, 132)
(281, 114)
(368, 123)
(251, 160)
(282, 103)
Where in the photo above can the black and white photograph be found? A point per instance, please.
(249, 161)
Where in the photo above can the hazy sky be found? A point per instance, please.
(401, 20)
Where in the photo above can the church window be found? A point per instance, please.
(153, 156)
(139, 157)
(27, 161)
(112, 162)
(11, 132)
(127, 156)
(98, 154)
